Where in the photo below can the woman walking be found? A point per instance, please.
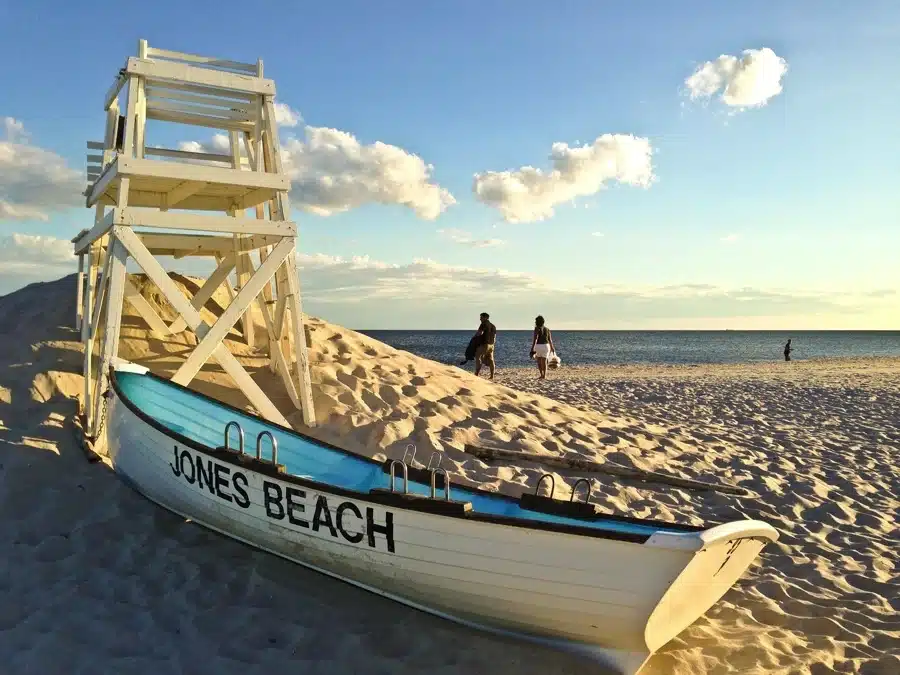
(541, 345)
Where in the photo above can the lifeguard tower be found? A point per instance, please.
(152, 201)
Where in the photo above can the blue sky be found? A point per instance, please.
(783, 215)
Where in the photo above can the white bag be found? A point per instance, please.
(553, 361)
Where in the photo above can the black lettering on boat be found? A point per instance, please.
(292, 497)
(222, 481)
(352, 537)
(387, 529)
(318, 519)
(175, 468)
(186, 459)
(204, 473)
(272, 500)
(241, 498)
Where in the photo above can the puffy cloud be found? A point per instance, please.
(465, 239)
(33, 181)
(597, 234)
(748, 81)
(332, 172)
(530, 194)
(285, 116)
(730, 238)
(23, 251)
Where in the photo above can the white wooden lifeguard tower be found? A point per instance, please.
(163, 200)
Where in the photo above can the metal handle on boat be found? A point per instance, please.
(440, 458)
(405, 475)
(537, 487)
(274, 446)
(240, 436)
(434, 474)
(587, 496)
(411, 452)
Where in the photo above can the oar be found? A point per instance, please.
(607, 468)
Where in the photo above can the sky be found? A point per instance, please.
(609, 165)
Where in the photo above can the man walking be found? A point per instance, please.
(484, 354)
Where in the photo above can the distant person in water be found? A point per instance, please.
(484, 353)
(541, 345)
(787, 350)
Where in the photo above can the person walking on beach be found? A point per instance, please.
(484, 353)
(541, 346)
(787, 350)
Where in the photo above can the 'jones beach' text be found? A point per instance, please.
(287, 503)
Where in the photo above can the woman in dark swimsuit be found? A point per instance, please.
(541, 346)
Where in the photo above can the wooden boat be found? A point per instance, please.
(550, 570)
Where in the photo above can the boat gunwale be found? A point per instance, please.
(267, 469)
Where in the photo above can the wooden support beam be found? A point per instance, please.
(101, 226)
(113, 92)
(201, 173)
(159, 70)
(300, 350)
(110, 349)
(80, 292)
(226, 359)
(146, 312)
(184, 154)
(206, 61)
(131, 118)
(135, 217)
(182, 191)
(206, 291)
(235, 310)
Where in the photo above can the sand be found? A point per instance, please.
(97, 579)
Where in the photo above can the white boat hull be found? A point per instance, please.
(617, 599)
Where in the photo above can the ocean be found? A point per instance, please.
(670, 347)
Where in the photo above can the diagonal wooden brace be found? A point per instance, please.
(235, 310)
(206, 291)
(226, 359)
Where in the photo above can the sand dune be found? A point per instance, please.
(97, 579)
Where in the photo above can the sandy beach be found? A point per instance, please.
(96, 579)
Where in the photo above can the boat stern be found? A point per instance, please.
(722, 554)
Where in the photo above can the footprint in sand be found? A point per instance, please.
(418, 381)
(409, 390)
(389, 395)
(463, 391)
(347, 380)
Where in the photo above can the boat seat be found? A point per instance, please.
(408, 500)
(558, 507)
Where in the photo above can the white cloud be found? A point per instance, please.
(285, 116)
(34, 252)
(332, 172)
(597, 234)
(748, 81)
(465, 239)
(731, 238)
(530, 194)
(362, 292)
(14, 130)
(34, 181)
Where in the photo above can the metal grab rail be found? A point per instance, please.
(552, 484)
(405, 475)
(240, 437)
(587, 496)
(274, 446)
